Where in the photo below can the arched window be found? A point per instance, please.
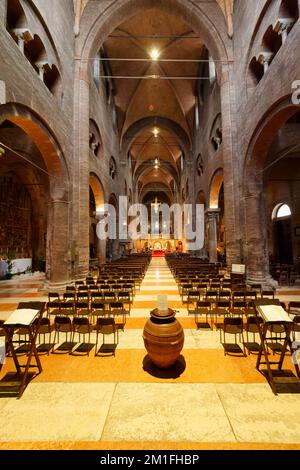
(281, 211)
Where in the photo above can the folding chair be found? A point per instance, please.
(116, 310)
(251, 327)
(222, 309)
(106, 326)
(62, 324)
(203, 308)
(82, 327)
(82, 308)
(233, 326)
(192, 298)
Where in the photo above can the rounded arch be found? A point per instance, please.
(56, 207)
(269, 125)
(109, 18)
(215, 188)
(44, 139)
(98, 191)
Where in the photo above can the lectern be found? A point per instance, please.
(272, 313)
(27, 316)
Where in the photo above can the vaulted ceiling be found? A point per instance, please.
(155, 150)
(154, 113)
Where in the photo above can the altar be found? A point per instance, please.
(158, 253)
(18, 266)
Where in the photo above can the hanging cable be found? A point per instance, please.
(150, 77)
(149, 59)
(6, 147)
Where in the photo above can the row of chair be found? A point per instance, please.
(192, 295)
(81, 327)
(92, 309)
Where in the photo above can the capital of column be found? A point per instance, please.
(22, 33)
(41, 67)
(213, 213)
(265, 58)
(282, 27)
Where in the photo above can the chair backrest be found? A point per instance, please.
(66, 306)
(106, 326)
(69, 295)
(96, 295)
(82, 308)
(296, 323)
(212, 294)
(268, 293)
(82, 288)
(98, 306)
(221, 304)
(294, 305)
(203, 305)
(53, 295)
(233, 325)
(252, 323)
(116, 306)
(70, 289)
(80, 321)
(62, 323)
(224, 295)
(82, 295)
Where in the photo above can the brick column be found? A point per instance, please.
(231, 167)
(256, 244)
(213, 218)
(58, 255)
(80, 217)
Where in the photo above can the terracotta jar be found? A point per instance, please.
(163, 338)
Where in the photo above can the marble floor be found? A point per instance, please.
(208, 401)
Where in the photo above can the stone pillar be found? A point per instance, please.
(256, 243)
(58, 255)
(231, 166)
(213, 218)
(101, 251)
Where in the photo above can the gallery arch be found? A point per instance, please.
(34, 165)
(270, 191)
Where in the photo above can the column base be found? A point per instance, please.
(55, 286)
(266, 281)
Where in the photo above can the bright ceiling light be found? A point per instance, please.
(155, 132)
(156, 163)
(154, 54)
